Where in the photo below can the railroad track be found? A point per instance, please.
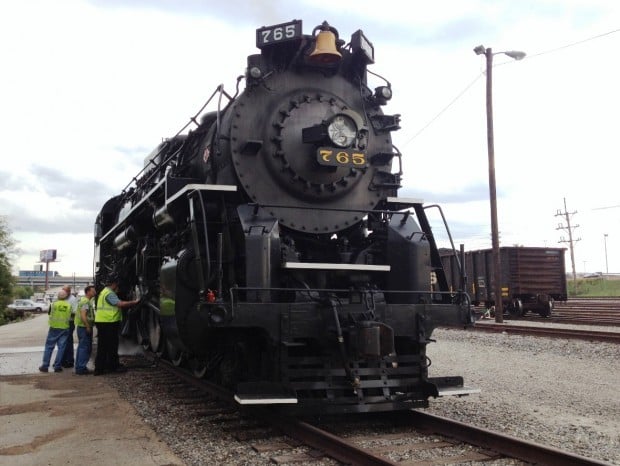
(547, 331)
(598, 311)
(404, 438)
(580, 311)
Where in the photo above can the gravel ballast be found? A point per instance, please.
(557, 392)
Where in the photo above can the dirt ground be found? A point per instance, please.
(62, 418)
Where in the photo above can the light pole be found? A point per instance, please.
(606, 263)
(488, 53)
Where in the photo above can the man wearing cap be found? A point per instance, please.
(68, 357)
(108, 321)
(57, 335)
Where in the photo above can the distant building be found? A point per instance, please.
(37, 273)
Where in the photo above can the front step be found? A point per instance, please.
(264, 393)
(452, 386)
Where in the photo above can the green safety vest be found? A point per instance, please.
(106, 313)
(166, 306)
(60, 315)
(90, 314)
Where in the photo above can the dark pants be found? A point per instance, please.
(67, 357)
(107, 346)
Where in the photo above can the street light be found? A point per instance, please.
(488, 53)
(606, 264)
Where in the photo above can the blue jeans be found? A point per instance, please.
(67, 359)
(55, 337)
(84, 348)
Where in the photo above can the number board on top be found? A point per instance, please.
(271, 35)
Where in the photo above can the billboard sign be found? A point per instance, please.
(47, 255)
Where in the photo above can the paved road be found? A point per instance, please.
(50, 419)
(21, 345)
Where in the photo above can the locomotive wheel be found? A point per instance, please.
(548, 307)
(142, 334)
(516, 308)
(234, 366)
(155, 335)
(199, 368)
(174, 354)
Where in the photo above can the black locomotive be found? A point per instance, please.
(268, 246)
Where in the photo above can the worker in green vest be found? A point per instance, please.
(108, 321)
(58, 332)
(84, 323)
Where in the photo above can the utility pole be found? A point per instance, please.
(567, 215)
(606, 263)
(497, 269)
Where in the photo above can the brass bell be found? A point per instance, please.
(325, 51)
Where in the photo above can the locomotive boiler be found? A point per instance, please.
(268, 245)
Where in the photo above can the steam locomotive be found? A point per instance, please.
(268, 246)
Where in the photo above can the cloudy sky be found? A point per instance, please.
(90, 87)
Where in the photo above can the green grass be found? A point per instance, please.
(593, 287)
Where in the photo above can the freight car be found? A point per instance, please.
(532, 278)
(267, 244)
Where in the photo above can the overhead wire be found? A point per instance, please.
(452, 102)
(557, 49)
(529, 56)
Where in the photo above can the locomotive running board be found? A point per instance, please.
(400, 203)
(200, 187)
(330, 266)
(264, 393)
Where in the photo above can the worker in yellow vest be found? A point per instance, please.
(68, 358)
(84, 323)
(108, 321)
(58, 333)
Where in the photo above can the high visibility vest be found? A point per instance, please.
(106, 313)
(90, 314)
(166, 307)
(60, 314)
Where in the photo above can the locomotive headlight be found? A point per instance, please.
(255, 72)
(342, 130)
(383, 94)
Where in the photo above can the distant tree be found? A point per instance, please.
(22, 292)
(7, 245)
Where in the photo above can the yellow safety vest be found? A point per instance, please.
(60, 315)
(106, 313)
(90, 314)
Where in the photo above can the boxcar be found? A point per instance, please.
(532, 278)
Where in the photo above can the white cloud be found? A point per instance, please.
(89, 88)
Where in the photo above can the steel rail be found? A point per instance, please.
(333, 446)
(327, 443)
(609, 337)
(504, 444)
(338, 448)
